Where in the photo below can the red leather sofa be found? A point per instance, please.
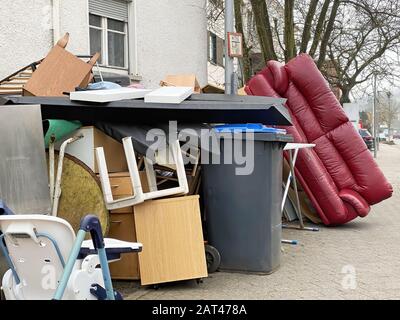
(339, 175)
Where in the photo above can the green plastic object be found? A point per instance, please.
(58, 128)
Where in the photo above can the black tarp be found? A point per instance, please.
(202, 108)
(156, 136)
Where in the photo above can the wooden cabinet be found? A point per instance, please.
(171, 233)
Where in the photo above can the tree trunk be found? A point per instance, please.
(264, 31)
(345, 98)
(307, 26)
(327, 35)
(246, 60)
(290, 44)
(319, 28)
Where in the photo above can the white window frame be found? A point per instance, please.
(104, 42)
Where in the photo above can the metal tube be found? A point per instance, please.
(292, 160)
(70, 265)
(57, 187)
(229, 27)
(106, 273)
(8, 260)
(51, 168)
(54, 242)
(293, 242)
(285, 193)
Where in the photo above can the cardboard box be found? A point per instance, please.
(84, 149)
(59, 72)
(213, 88)
(242, 92)
(182, 80)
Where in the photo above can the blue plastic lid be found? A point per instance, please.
(254, 127)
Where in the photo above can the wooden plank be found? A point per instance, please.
(6, 92)
(12, 82)
(173, 246)
(11, 87)
(122, 227)
(19, 77)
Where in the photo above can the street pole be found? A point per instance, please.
(374, 120)
(229, 27)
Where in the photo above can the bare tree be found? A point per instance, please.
(215, 14)
(388, 110)
(349, 40)
(365, 42)
(246, 61)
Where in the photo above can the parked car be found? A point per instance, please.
(396, 136)
(367, 137)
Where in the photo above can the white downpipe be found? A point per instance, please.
(133, 45)
(56, 21)
(136, 40)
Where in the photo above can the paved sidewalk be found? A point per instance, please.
(360, 260)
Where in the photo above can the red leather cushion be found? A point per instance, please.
(359, 204)
(339, 174)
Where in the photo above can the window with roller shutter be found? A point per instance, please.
(108, 24)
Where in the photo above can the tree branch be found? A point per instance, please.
(327, 35)
(263, 27)
(277, 34)
(307, 26)
(290, 45)
(246, 60)
(319, 28)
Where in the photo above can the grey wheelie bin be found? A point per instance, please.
(243, 216)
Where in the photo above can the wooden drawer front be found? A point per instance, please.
(122, 227)
(121, 186)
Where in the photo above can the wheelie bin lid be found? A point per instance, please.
(260, 131)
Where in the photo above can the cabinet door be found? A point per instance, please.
(122, 227)
(173, 246)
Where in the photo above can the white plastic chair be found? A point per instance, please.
(138, 195)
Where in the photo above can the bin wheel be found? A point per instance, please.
(213, 258)
(156, 286)
(199, 281)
